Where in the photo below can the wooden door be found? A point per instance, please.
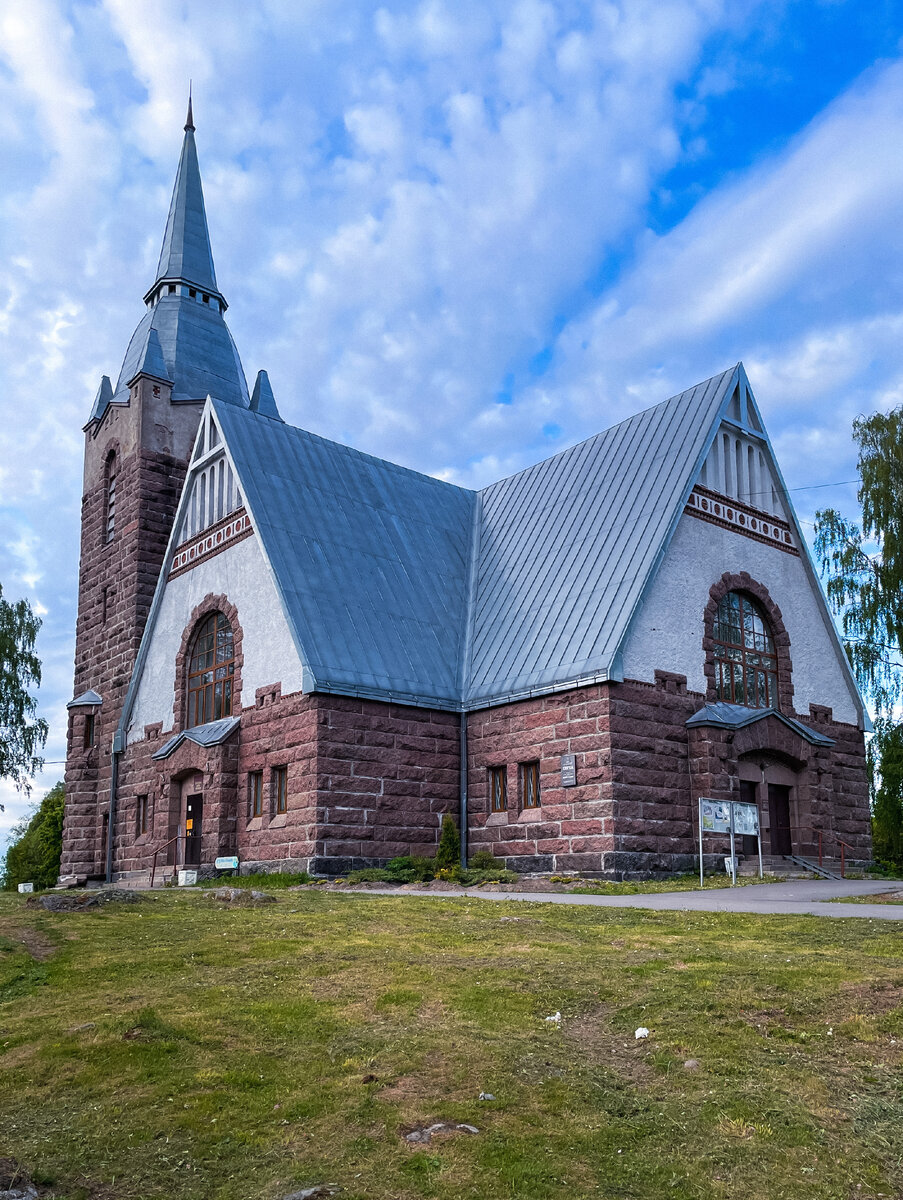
(194, 811)
(779, 818)
(749, 845)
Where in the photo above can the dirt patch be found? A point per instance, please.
(38, 945)
(872, 999)
(601, 1046)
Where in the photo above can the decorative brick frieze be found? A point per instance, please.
(741, 518)
(206, 545)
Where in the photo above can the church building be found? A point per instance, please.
(302, 655)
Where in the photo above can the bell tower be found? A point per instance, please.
(138, 440)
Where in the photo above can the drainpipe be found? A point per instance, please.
(462, 813)
(114, 779)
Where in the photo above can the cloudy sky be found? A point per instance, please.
(458, 234)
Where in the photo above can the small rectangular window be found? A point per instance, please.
(141, 821)
(529, 785)
(89, 731)
(255, 794)
(498, 789)
(280, 789)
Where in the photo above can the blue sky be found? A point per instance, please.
(461, 236)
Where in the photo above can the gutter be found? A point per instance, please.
(118, 747)
(462, 809)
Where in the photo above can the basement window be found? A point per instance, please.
(529, 785)
(498, 789)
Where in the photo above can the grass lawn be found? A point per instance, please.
(182, 1048)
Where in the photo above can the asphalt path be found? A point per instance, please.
(798, 897)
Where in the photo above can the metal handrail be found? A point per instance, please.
(159, 850)
(822, 835)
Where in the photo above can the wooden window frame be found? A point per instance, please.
(211, 671)
(142, 816)
(530, 794)
(279, 790)
(746, 646)
(255, 794)
(498, 789)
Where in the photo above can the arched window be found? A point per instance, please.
(211, 667)
(109, 525)
(746, 666)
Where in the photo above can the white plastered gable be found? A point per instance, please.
(197, 566)
(738, 517)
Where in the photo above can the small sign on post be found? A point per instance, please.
(228, 862)
(732, 817)
(569, 770)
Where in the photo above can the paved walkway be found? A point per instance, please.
(797, 897)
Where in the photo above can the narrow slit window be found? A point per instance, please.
(255, 794)
(89, 731)
(280, 790)
(529, 785)
(110, 523)
(141, 816)
(498, 789)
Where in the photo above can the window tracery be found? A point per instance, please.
(746, 665)
(211, 669)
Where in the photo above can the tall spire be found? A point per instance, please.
(186, 256)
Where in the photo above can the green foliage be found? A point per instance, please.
(864, 568)
(411, 869)
(22, 734)
(483, 860)
(886, 785)
(34, 855)
(449, 852)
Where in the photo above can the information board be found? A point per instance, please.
(734, 817)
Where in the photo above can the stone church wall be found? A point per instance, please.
(367, 781)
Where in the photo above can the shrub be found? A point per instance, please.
(471, 878)
(483, 860)
(411, 869)
(449, 852)
(371, 875)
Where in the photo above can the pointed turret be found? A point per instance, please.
(102, 400)
(262, 399)
(152, 362)
(186, 256)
